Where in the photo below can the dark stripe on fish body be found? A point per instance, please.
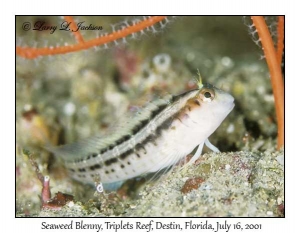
(154, 113)
(102, 151)
(165, 125)
(126, 154)
(140, 125)
(110, 161)
(141, 145)
(95, 167)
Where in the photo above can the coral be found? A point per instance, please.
(274, 63)
(31, 53)
(59, 200)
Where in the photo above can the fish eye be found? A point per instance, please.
(207, 95)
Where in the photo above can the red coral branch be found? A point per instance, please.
(31, 53)
(45, 180)
(73, 27)
(280, 37)
(275, 72)
(59, 200)
(46, 194)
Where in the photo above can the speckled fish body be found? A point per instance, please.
(158, 137)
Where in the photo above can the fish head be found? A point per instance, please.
(209, 107)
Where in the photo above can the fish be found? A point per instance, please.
(165, 131)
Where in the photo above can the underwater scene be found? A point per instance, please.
(148, 116)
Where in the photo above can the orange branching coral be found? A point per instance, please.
(280, 38)
(31, 53)
(274, 63)
(76, 32)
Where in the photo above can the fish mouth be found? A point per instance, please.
(230, 104)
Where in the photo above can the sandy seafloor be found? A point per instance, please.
(61, 99)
